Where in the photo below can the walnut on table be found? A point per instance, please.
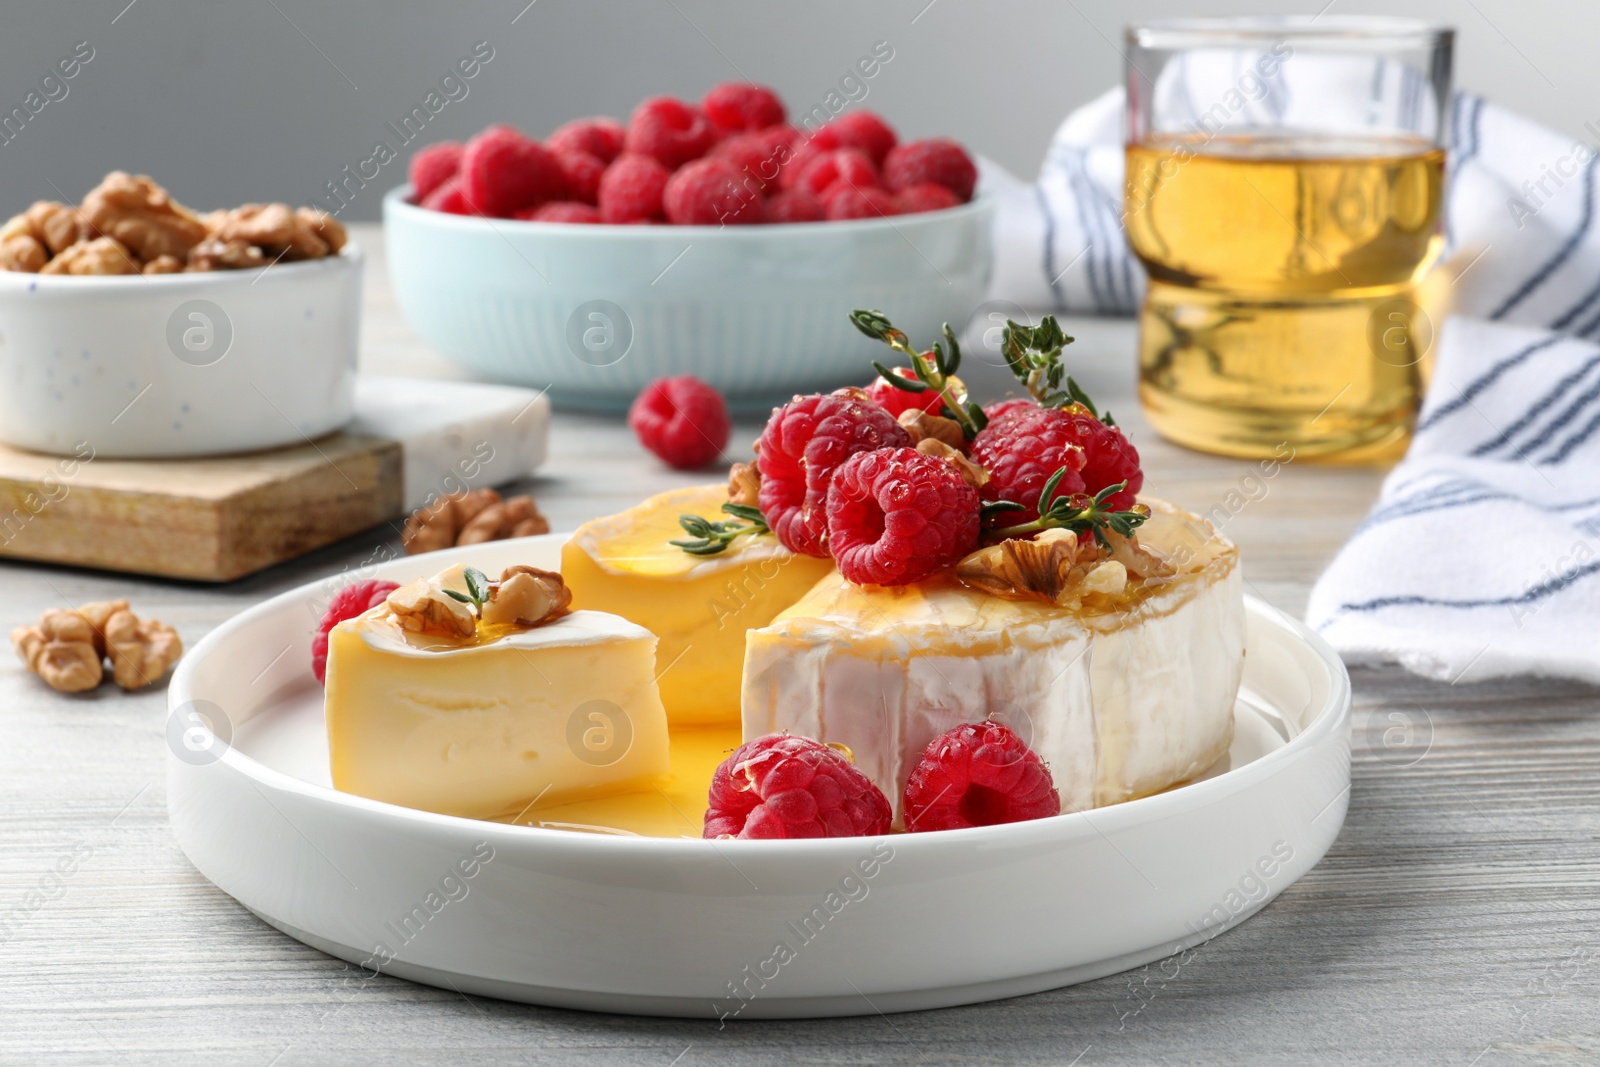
(103, 255)
(67, 648)
(164, 265)
(139, 213)
(471, 518)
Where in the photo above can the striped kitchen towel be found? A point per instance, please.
(1482, 555)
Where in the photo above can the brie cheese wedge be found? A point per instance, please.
(486, 727)
(698, 606)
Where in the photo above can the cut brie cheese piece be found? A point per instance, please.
(485, 728)
(1121, 698)
(698, 606)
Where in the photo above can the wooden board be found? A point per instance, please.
(206, 519)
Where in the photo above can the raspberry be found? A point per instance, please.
(583, 173)
(864, 130)
(448, 198)
(759, 154)
(347, 603)
(501, 170)
(780, 786)
(734, 107)
(898, 401)
(796, 205)
(979, 774)
(559, 211)
(1021, 451)
(848, 166)
(669, 131)
(806, 148)
(683, 420)
(711, 192)
(925, 196)
(804, 441)
(938, 160)
(630, 189)
(600, 137)
(845, 201)
(896, 516)
(432, 166)
(1110, 458)
(1009, 407)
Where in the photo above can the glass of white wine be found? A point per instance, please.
(1285, 185)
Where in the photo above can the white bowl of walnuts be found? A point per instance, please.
(131, 326)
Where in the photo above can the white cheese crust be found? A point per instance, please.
(1119, 703)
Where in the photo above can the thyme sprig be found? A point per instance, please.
(1078, 512)
(934, 369)
(478, 589)
(708, 537)
(1034, 355)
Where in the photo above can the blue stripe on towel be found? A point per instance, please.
(1381, 518)
(1564, 253)
(1565, 450)
(1485, 380)
(1539, 407)
(1542, 591)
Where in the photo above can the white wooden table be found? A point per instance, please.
(1456, 920)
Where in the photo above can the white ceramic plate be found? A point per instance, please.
(737, 929)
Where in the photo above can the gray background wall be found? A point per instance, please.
(233, 101)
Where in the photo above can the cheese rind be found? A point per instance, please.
(699, 607)
(561, 712)
(1120, 699)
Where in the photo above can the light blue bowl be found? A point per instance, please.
(595, 313)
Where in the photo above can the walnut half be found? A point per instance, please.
(67, 648)
(1045, 568)
(527, 597)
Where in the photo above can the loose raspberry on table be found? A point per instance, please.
(979, 774)
(449, 198)
(849, 166)
(600, 137)
(560, 211)
(583, 173)
(779, 786)
(734, 107)
(852, 202)
(926, 196)
(682, 420)
(1021, 451)
(895, 516)
(804, 441)
(760, 154)
(936, 159)
(432, 166)
(347, 603)
(795, 205)
(669, 131)
(898, 401)
(502, 170)
(711, 192)
(631, 189)
(866, 131)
